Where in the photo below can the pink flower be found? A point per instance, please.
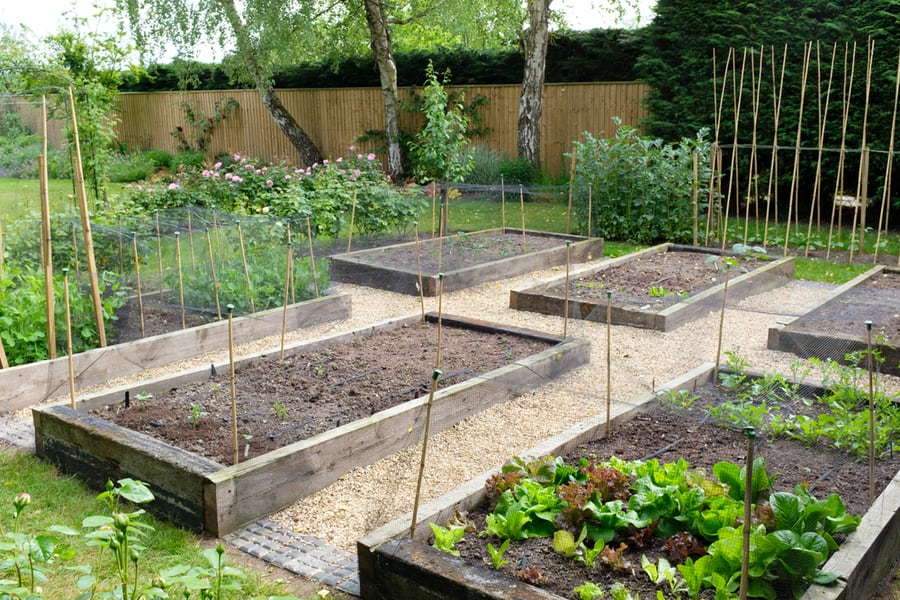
(287, 176)
(217, 166)
(359, 156)
(356, 172)
(237, 179)
(269, 182)
(340, 159)
(325, 162)
(265, 169)
(352, 148)
(229, 176)
(206, 172)
(371, 156)
(173, 186)
(248, 166)
(237, 157)
(257, 172)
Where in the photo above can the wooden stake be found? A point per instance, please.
(81, 197)
(69, 337)
(4, 362)
(871, 412)
(795, 176)
(212, 270)
(748, 511)
(137, 275)
(180, 277)
(590, 208)
(246, 267)
(191, 239)
(721, 324)
(352, 217)
(312, 258)
(715, 159)
(234, 427)
(437, 363)
(884, 211)
(695, 198)
(415, 512)
(753, 171)
(46, 239)
(502, 206)
(419, 270)
(571, 185)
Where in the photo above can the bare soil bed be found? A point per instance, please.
(461, 250)
(159, 317)
(280, 402)
(876, 299)
(669, 434)
(658, 280)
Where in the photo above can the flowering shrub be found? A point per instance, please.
(323, 192)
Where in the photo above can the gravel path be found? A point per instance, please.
(641, 361)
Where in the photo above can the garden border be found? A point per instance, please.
(536, 298)
(353, 268)
(203, 494)
(833, 345)
(26, 385)
(393, 566)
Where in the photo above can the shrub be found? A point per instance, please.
(641, 188)
(486, 165)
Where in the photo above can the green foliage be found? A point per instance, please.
(438, 151)
(641, 188)
(588, 591)
(23, 317)
(445, 538)
(497, 560)
(736, 477)
(20, 148)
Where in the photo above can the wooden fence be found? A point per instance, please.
(335, 118)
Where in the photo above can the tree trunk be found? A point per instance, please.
(286, 123)
(380, 40)
(531, 101)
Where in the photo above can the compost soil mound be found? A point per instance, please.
(461, 250)
(669, 434)
(281, 402)
(658, 280)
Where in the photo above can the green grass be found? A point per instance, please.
(20, 197)
(61, 500)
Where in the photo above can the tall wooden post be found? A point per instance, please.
(46, 246)
(81, 197)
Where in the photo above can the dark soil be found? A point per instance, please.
(279, 403)
(659, 280)
(462, 250)
(876, 299)
(667, 435)
(158, 318)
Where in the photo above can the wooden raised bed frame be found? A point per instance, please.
(26, 385)
(835, 345)
(394, 567)
(538, 298)
(203, 494)
(355, 268)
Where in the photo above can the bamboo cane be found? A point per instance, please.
(862, 192)
(180, 277)
(4, 362)
(772, 192)
(795, 176)
(846, 91)
(502, 205)
(234, 427)
(81, 197)
(738, 96)
(440, 319)
(246, 266)
(715, 157)
(721, 324)
(590, 210)
(75, 252)
(884, 211)
(287, 288)
(608, 359)
(823, 121)
(748, 511)
(352, 217)
(871, 412)
(312, 258)
(753, 170)
(68, 309)
(47, 258)
(191, 239)
(415, 512)
(137, 275)
(571, 185)
(159, 261)
(566, 302)
(419, 270)
(212, 270)
(522, 209)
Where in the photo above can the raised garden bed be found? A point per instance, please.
(836, 325)
(394, 566)
(465, 259)
(27, 385)
(203, 493)
(660, 288)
